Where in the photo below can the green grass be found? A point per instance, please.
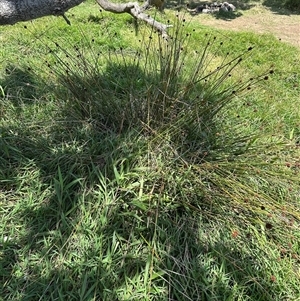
(125, 175)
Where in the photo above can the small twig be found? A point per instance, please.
(66, 19)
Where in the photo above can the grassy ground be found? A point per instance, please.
(135, 169)
(258, 16)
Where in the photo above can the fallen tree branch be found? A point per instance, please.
(134, 9)
(14, 11)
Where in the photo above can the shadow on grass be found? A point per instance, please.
(277, 6)
(287, 7)
(240, 6)
(85, 234)
(19, 84)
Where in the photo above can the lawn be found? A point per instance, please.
(132, 168)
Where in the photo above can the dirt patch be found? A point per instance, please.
(259, 19)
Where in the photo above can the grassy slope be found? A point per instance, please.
(90, 212)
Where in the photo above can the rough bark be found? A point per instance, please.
(13, 11)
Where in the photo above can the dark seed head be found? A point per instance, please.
(269, 226)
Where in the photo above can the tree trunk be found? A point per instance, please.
(13, 11)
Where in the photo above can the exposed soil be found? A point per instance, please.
(259, 19)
